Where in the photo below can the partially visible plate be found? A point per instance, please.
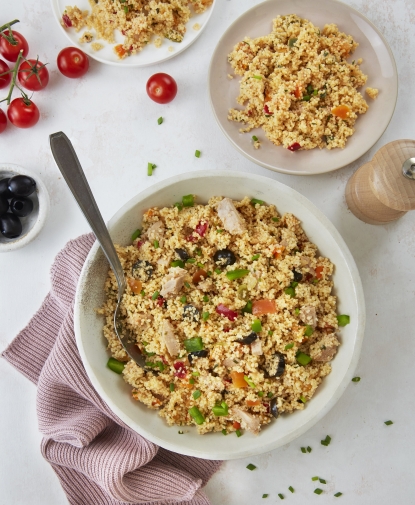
(378, 64)
(150, 55)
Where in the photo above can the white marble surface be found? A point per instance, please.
(113, 126)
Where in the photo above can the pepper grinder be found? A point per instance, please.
(383, 190)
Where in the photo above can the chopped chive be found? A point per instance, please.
(196, 394)
(303, 450)
(171, 387)
(318, 490)
(195, 374)
(291, 489)
(115, 365)
(270, 395)
(326, 441)
(187, 285)
(251, 467)
(224, 432)
(254, 138)
(150, 168)
(177, 263)
(183, 299)
(155, 295)
(249, 381)
(309, 449)
(197, 153)
(276, 219)
(303, 399)
(160, 120)
(265, 495)
(289, 346)
(256, 326)
(205, 316)
(356, 379)
(322, 481)
(191, 381)
(200, 265)
(196, 415)
(142, 292)
(259, 77)
(343, 319)
(281, 496)
(255, 201)
(309, 330)
(136, 234)
(238, 433)
(270, 333)
(261, 394)
(297, 311)
(255, 257)
(302, 358)
(191, 260)
(180, 432)
(388, 423)
(188, 200)
(314, 478)
(236, 274)
(156, 244)
(219, 231)
(205, 298)
(338, 494)
(193, 344)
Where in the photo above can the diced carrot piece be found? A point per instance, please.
(135, 285)
(278, 251)
(238, 380)
(341, 111)
(200, 275)
(297, 92)
(260, 307)
(251, 403)
(319, 272)
(236, 425)
(120, 51)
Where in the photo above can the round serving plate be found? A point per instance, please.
(378, 64)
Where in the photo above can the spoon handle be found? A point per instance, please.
(72, 172)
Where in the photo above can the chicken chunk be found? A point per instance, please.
(248, 421)
(308, 315)
(156, 232)
(206, 285)
(232, 221)
(173, 282)
(256, 348)
(325, 349)
(169, 338)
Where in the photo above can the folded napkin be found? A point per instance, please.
(97, 458)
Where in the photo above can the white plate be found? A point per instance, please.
(117, 394)
(150, 55)
(378, 64)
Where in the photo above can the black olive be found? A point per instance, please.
(191, 313)
(247, 340)
(21, 206)
(197, 354)
(142, 270)
(4, 188)
(4, 205)
(274, 408)
(22, 185)
(275, 366)
(298, 276)
(10, 226)
(182, 254)
(224, 257)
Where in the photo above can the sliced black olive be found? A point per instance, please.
(191, 313)
(248, 339)
(274, 408)
(182, 254)
(224, 257)
(142, 270)
(4, 188)
(10, 226)
(197, 354)
(4, 205)
(274, 366)
(298, 276)
(21, 185)
(21, 206)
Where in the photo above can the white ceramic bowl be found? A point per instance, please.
(117, 394)
(378, 64)
(33, 223)
(150, 55)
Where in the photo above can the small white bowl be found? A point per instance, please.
(33, 223)
(117, 394)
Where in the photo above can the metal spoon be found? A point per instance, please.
(72, 172)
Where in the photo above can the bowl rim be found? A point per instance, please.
(44, 204)
(121, 63)
(287, 170)
(358, 293)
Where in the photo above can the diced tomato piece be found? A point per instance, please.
(199, 275)
(266, 405)
(267, 111)
(160, 301)
(202, 228)
(319, 272)
(135, 285)
(226, 329)
(140, 243)
(238, 380)
(294, 147)
(308, 277)
(181, 369)
(341, 111)
(260, 307)
(251, 403)
(66, 20)
(225, 311)
(236, 425)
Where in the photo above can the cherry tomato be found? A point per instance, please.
(4, 79)
(3, 121)
(33, 75)
(72, 62)
(161, 88)
(10, 51)
(23, 113)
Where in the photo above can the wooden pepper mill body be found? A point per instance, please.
(383, 190)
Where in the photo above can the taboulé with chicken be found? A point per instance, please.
(233, 308)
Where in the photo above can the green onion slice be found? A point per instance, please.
(249, 381)
(205, 298)
(193, 344)
(303, 450)
(115, 365)
(255, 201)
(197, 153)
(289, 346)
(248, 307)
(251, 467)
(155, 295)
(309, 330)
(356, 379)
(236, 274)
(159, 120)
(265, 495)
(136, 234)
(338, 494)
(388, 423)
(177, 263)
(183, 299)
(254, 138)
(205, 316)
(322, 481)
(196, 415)
(196, 394)
(291, 489)
(224, 432)
(256, 326)
(309, 449)
(281, 496)
(255, 257)
(302, 358)
(326, 441)
(188, 200)
(238, 433)
(156, 244)
(290, 291)
(318, 490)
(171, 387)
(343, 319)
(314, 478)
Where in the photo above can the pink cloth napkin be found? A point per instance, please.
(97, 458)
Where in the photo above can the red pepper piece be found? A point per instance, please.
(202, 228)
(160, 301)
(225, 311)
(66, 21)
(294, 147)
(140, 243)
(181, 370)
(267, 111)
